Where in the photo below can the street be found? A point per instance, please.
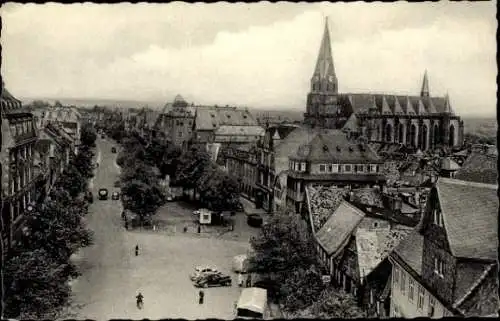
(112, 275)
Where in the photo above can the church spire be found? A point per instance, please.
(425, 86)
(324, 78)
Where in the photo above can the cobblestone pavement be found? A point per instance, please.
(112, 275)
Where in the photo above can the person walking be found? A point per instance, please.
(137, 250)
(139, 300)
(201, 297)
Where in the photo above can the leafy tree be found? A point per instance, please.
(283, 245)
(57, 104)
(218, 190)
(36, 285)
(72, 181)
(88, 136)
(300, 288)
(83, 161)
(142, 198)
(190, 167)
(334, 303)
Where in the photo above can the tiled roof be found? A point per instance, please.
(411, 250)
(295, 138)
(62, 114)
(339, 227)
(323, 201)
(334, 146)
(374, 245)
(240, 130)
(367, 196)
(351, 123)
(470, 214)
(211, 118)
(479, 167)
(467, 276)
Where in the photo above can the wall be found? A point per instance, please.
(403, 306)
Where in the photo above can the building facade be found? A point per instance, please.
(241, 162)
(449, 265)
(176, 122)
(68, 118)
(422, 122)
(331, 157)
(19, 137)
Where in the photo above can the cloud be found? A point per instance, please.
(255, 55)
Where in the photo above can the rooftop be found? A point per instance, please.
(470, 214)
(323, 201)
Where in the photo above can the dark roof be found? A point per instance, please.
(470, 214)
(410, 250)
(295, 138)
(8, 101)
(211, 118)
(467, 274)
(337, 231)
(335, 146)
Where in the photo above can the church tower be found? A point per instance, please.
(322, 98)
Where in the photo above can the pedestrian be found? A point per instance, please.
(185, 229)
(201, 297)
(137, 250)
(240, 280)
(126, 224)
(139, 302)
(199, 229)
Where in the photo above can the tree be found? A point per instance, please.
(88, 136)
(218, 190)
(37, 285)
(300, 288)
(334, 303)
(83, 161)
(283, 245)
(57, 104)
(72, 181)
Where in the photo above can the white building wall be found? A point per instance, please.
(406, 305)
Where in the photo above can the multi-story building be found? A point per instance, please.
(68, 118)
(422, 122)
(241, 162)
(331, 157)
(448, 266)
(145, 123)
(18, 142)
(176, 121)
(52, 155)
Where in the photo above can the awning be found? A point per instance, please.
(253, 299)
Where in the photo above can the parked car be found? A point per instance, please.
(115, 196)
(113, 150)
(210, 280)
(89, 197)
(202, 270)
(255, 220)
(103, 194)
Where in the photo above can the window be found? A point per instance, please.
(373, 168)
(361, 168)
(330, 168)
(438, 266)
(371, 297)
(437, 217)
(335, 168)
(420, 302)
(347, 168)
(322, 168)
(411, 286)
(180, 134)
(303, 167)
(396, 275)
(403, 283)
(432, 304)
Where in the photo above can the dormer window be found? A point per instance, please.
(322, 168)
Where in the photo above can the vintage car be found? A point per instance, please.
(115, 196)
(103, 194)
(199, 271)
(113, 150)
(211, 280)
(255, 220)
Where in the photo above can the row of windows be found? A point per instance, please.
(22, 128)
(297, 166)
(399, 279)
(437, 218)
(180, 123)
(348, 168)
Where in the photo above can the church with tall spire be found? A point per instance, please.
(422, 122)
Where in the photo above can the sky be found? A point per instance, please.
(260, 55)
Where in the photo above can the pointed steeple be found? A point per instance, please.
(425, 86)
(447, 105)
(324, 78)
